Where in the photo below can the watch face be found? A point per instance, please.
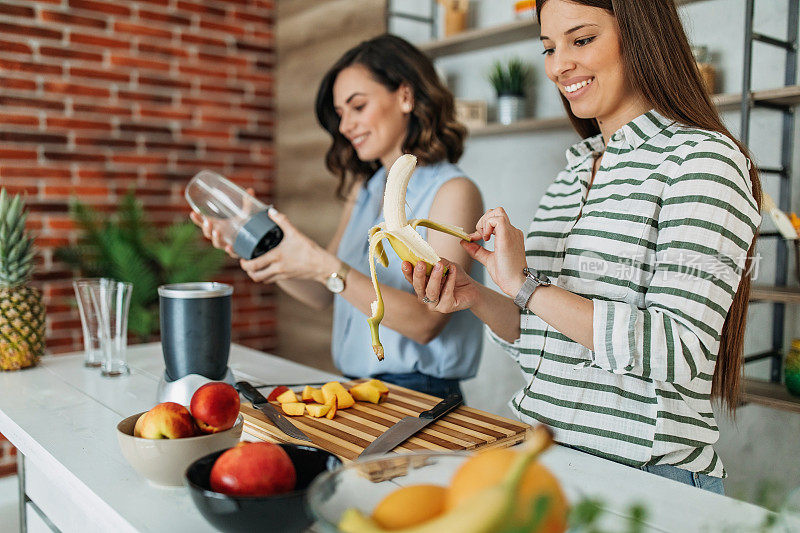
(335, 284)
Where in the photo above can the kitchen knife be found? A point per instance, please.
(410, 425)
(261, 403)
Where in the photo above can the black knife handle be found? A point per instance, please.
(250, 393)
(443, 407)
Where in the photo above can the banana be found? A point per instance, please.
(484, 512)
(402, 236)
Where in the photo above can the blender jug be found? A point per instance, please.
(241, 219)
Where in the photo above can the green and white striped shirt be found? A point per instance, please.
(658, 244)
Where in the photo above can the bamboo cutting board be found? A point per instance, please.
(355, 428)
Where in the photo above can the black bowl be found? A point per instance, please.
(284, 513)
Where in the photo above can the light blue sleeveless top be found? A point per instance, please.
(455, 352)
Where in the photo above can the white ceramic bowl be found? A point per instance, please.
(164, 461)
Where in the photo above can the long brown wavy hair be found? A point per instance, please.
(433, 132)
(659, 64)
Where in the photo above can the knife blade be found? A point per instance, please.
(261, 403)
(407, 427)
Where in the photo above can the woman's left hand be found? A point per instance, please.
(506, 262)
(296, 257)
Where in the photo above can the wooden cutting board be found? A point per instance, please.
(353, 429)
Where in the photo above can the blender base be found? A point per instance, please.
(181, 390)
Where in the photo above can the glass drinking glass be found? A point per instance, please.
(90, 324)
(111, 302)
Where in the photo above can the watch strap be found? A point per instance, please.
(532, 281)
(343, 270)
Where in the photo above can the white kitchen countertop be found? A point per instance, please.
(63, 417)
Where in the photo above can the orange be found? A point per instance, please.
(410, 506)
(490, 467)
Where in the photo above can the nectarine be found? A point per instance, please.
(253, 469)
(215, 407)
(168, 420)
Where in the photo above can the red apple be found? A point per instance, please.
(215, 407)
(168, 420)
(253, 469)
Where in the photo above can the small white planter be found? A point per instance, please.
(510, 108)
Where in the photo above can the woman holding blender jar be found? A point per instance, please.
(380, 100)
(625, 303)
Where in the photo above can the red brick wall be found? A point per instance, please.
(97, 96)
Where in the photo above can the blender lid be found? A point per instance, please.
(209, 289)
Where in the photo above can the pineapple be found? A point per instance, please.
(21, 310)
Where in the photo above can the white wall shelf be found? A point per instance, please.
(724, 102)
(480, 38)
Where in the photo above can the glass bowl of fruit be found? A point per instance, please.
(257, 486)
(501, 489)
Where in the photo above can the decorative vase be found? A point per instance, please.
(510, 108)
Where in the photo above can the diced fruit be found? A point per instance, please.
(368, 392)
(378, 384)
(277, 391)
(334, 406)
(317, 395)
(287, 397)
(294, 408)
(334, 388)
(317, 410)
(308, 394)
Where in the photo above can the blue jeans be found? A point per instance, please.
(701, 481)
(422, 383)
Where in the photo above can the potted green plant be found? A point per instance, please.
(510, 81)
(126, 246)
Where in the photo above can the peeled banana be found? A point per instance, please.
(484, 512)
(402, 236)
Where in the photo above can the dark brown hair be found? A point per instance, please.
(433, 132)
(655, 48)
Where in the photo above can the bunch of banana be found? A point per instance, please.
(402, 236)
(485, 512)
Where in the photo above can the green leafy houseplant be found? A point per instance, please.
(511, 78)
(127, 247)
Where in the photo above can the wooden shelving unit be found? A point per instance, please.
(769, 394)
(786, 295)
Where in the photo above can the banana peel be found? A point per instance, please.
(402, 236)
(484, 512)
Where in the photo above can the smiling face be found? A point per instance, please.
(583, 57)
(373, 118)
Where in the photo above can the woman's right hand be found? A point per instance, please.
(448, 294)
(211, 233)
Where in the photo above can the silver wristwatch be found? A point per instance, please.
(533, 279)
